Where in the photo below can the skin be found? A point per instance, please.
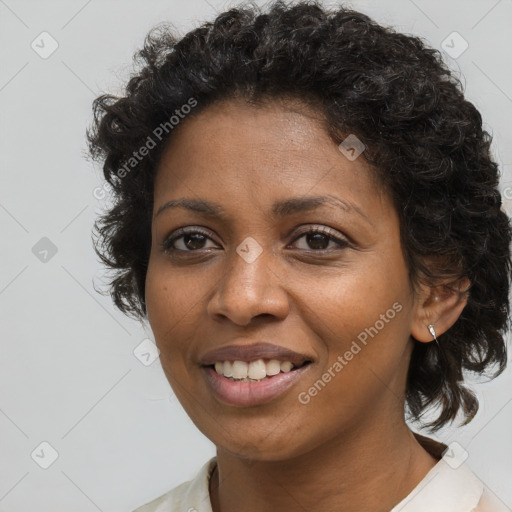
(349, 444)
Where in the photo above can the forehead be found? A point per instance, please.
(232, 148)
(278, 128)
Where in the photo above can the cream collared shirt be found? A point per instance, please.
(443, 489)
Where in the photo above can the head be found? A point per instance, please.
(288, 235)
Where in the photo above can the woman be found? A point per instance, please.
(307, 214)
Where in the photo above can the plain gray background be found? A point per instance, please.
(68, 374)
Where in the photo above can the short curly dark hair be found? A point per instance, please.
(424, 141)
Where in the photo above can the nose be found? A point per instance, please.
(249, 289)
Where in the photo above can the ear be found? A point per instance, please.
(439, 305)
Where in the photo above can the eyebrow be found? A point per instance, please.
(280, 209)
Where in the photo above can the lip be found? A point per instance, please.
(246, 394)
(253, 352)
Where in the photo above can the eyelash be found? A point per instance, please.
(166, 245)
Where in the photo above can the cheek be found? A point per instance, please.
(169, 303)
(363, 321)
(351, 300)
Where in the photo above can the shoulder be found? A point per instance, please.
(186, 497)
(450, 487)
(490, 503)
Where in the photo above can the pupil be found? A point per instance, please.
(193, 241)
(315, 240)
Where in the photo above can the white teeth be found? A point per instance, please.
(240, 369)
(273, 367)
(286, 366)
(228, 369)
(255, 370)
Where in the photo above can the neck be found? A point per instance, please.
(363, 470)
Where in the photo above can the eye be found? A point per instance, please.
(187, 240)
(193, 240)
(319, 238)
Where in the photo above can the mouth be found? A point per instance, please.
(254, 371)
(247, 384)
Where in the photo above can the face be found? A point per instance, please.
(250, 258)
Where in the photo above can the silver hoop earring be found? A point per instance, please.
(433, 332)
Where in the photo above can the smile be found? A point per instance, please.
(244, 384)
(254, 370)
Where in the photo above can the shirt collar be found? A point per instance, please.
(447, 487)
(444, 489)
